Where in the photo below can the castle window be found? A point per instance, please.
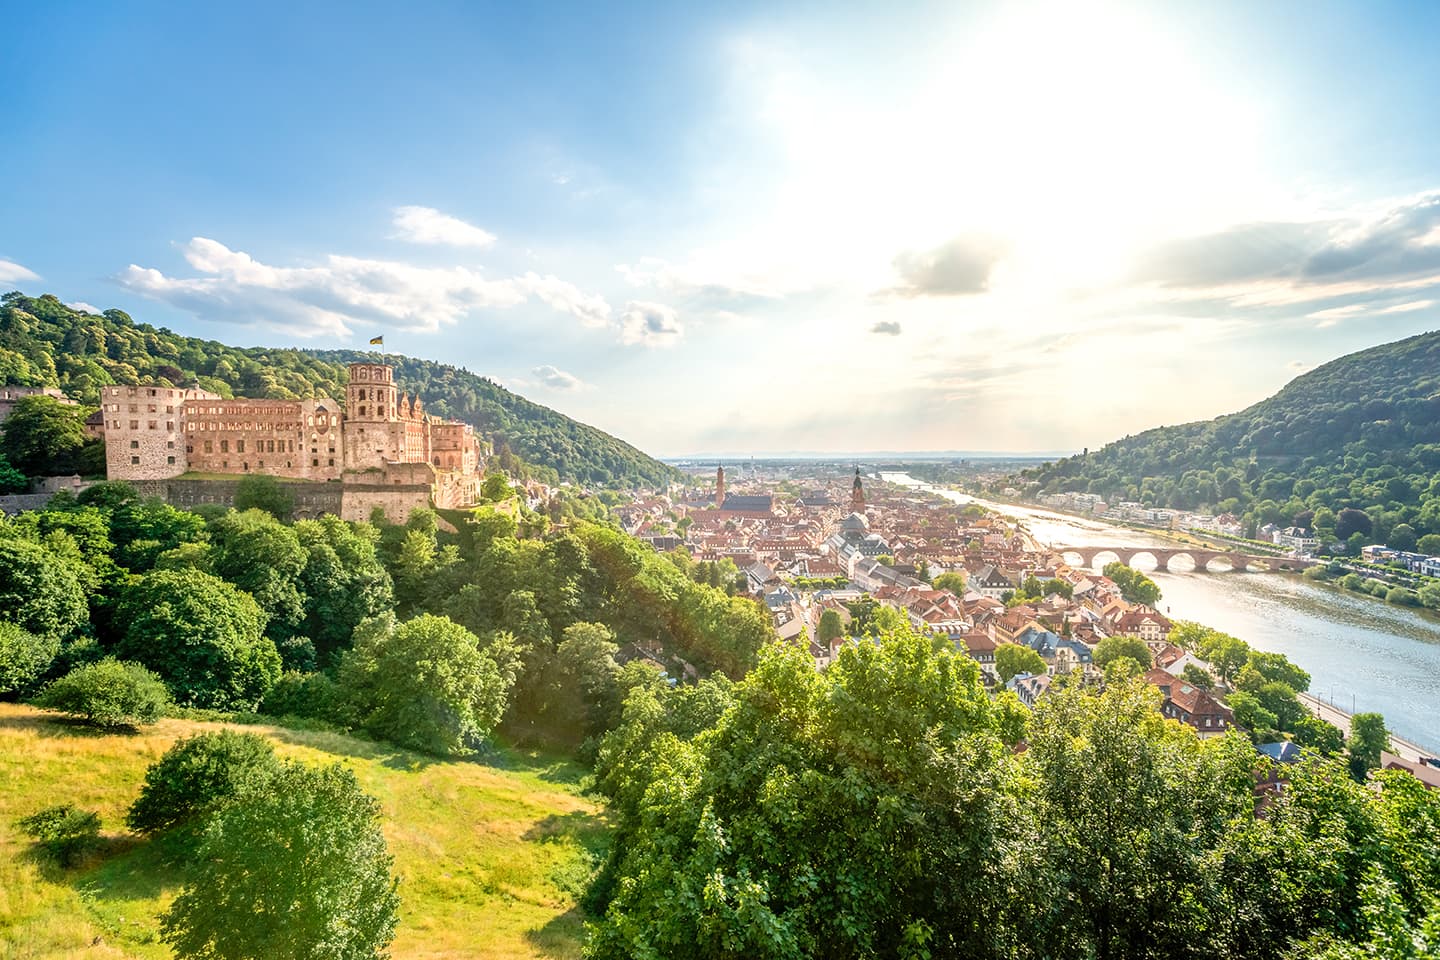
(224, 446)
(332, 461)
(169, 408)
(170, 425)
(170, 444)
(170, 460)
(209, 446)
(134, 408)
(134, 444)
(134, 424)
(239, 446)
(315, 462)
(150, 409)
(380, 411)
(134, 460)
(362, 411)
(362, 393)
(152, 393)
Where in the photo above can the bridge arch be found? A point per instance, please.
(1156, 557)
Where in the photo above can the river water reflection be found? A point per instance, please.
(1362, 654)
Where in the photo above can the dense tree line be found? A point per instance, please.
(44, 343)
(881, 808)
(1351, 448)
(430, 633)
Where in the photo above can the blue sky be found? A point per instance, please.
(750, 227)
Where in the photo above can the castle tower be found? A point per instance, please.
(857, 493)
(371, 411)
(719, 486)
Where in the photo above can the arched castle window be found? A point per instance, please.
(362, 393)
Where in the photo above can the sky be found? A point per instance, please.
(750, 228)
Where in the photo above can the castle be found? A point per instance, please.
(382, 448)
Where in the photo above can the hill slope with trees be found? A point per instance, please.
(1361, 432)
(45, 343)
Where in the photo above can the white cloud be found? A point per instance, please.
(649, 324)
(341, 291)
(890, 328)
(556, 379)
(589, 309)
(1408, 307)
(11, 272)
(83, 307)
(429, 226)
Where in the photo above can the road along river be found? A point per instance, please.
(1362, 654)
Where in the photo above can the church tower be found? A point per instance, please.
(857, 493)
(719, 486)
(371, 408)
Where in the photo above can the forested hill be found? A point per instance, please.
(45, 343)
(1362, 431)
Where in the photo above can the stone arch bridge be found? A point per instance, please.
(1226, 561)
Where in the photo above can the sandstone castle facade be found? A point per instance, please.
(382, 448)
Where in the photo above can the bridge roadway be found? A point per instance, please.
(1201, 558)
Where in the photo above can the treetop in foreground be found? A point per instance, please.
(296, 870)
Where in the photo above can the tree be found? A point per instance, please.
(1197, 676)
(496, 487)
(343, 582)
(1349, 522)
(1368, 737)
(202, 635)
(40, 592)
(1134, 586)
(424, 684)
(295, 870)
(11, 480)
(1429, 544)
(587, 672)
(831, 627)
(260, 492)
(197, 774)
(1103, 765)
(1113, 648)
(263, 557)
(791, 809)
(1251, 715)
(107, 694)
(43, 436)
(1277, 667)
(24, 657)
(1013, 659)
(954, 581)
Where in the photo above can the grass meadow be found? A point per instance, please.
(493, 855)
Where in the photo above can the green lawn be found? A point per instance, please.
(492, 855)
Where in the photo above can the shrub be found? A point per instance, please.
(1402, 597)
(24, 657)
(197, 774)
(110, 693)
(64, 832)
(312, 696)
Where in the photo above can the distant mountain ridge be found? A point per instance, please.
(1362, 431)
(43, 342)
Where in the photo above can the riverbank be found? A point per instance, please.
(1340, 718)
(1381, 657)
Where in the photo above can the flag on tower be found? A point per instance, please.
(377, 341)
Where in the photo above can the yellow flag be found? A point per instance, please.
(380, 341)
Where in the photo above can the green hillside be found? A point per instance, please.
(492, 857)
(45, 343)
(1360, 432)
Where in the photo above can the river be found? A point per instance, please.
(1362, 654)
